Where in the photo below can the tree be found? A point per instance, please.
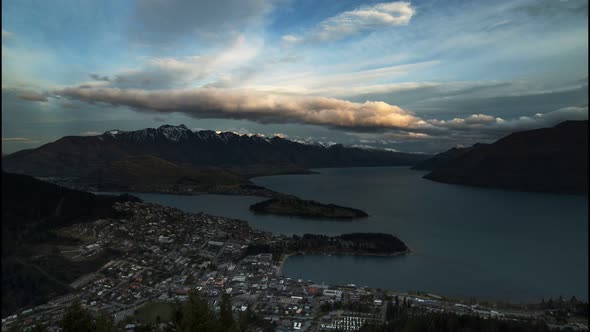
(195, 315)
(389, 311)
(245, 319)
(104, 323)
(226, 317)
(39, 328)
(14, 328)
(189, 280)
(76, 319)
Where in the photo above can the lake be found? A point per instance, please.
(466, 241)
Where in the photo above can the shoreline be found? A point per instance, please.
(282, 261)
(285, 256)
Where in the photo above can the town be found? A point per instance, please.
(162, 254)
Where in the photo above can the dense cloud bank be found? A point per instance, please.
(331, 112)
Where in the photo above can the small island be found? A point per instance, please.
(293, 206)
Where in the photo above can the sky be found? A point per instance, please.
(420, 76)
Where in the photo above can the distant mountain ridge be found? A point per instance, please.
(444, 157)
(77, 156)
(544, 160)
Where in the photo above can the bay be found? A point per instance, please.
(465, 241)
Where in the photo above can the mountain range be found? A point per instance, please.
(544, 160)
(177, 159)
(176, 155)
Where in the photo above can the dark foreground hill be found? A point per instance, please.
(31, 210)
(77, 156)
(544, 160)
(30, 207)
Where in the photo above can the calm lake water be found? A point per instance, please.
(485, 243)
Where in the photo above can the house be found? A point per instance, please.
(333, 293)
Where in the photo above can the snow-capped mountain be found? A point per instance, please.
(181, 133)
(79, 155)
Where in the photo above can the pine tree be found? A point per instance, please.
(226, 317)
(39, 328)
(104, 323)
(196, 315)
(389, 311)
(76, 319)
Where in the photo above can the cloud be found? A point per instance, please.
(477, 128)
(555, 8)
(371, 121)
(291, 39)
(255, 106)
(94, 84)
(15, 139)
(69, 105)
(99, 78)
(157, 73)
(18, 140)
(33, 96)
(485, 124)
(6, 34)
(505, 101)
(281, 135)
(370, 147)
(90, 133)
(364, 18)
(479, 119)
(176, 72)
(390, 137)
(163, 23)
(345, 84)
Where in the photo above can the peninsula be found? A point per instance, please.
(366, 244)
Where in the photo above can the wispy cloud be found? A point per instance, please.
(33, 96)
(472, 129)
(364, 18)
(164, 23)
(313, 82)
(6, 34)
(90, 133)
(422, 72)
(169, 72)
(99, 78)
(486, 124)
(18, 140)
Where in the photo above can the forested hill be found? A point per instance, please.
(30, 206)
(31, 211)
(546, 160)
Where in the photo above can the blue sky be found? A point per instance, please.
(417, 76)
